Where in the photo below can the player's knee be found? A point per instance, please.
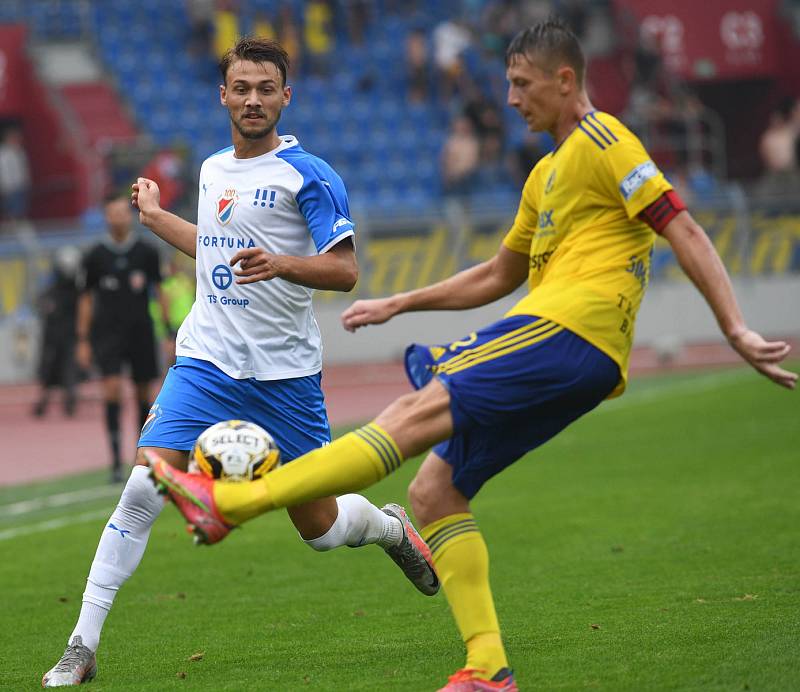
(422, 497)
(398, 410)
(139, 496)
(323, 543)
(141, 459)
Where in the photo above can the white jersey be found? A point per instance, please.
(289, 203)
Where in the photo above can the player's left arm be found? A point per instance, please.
(699, 259)
(334, 270)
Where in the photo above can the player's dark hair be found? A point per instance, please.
(114, 195)
(552, 40)
(257, 50)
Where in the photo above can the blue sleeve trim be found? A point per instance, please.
(338, 239)
(221, 151)
(322, 198)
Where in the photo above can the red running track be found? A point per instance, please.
(55, 445)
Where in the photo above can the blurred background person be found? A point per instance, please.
(289, 37)
(114, 327)
(777, 147)
(318, 34)
(418, 74)
(56, 306)
(226, 26)
(460, 159)
(15, 176)
(450, 39)
(177, 293)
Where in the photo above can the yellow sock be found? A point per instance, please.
(462, 563)
(353, 462)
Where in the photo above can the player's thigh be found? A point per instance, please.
(194, 395)
(417, 420)
(175, 457)
(432, 492)
(314, 519)
(505, 368)
(292, 411)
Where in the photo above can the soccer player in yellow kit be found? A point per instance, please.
(582, 238)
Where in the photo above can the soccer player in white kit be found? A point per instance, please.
(272, 225)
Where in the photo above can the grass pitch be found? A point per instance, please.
(651, 546)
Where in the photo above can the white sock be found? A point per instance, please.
(358, 523)
(118, 553)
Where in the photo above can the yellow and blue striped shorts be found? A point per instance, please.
(513, 385)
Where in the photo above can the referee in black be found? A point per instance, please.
(119, 276)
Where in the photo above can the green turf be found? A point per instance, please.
(651, 546)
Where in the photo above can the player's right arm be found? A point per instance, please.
(471, 288)
(176, 231)
(479, 285)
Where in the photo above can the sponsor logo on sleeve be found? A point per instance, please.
(341, 222)
(636, 178)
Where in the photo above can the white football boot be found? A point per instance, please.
(77, 665)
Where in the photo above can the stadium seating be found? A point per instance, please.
(358, 118)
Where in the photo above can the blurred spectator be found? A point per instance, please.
(226, 26)
(649, 94)
(450, 39)
(263, 26)
(177, 294)
(169, 170)
(502, 19)
(526, 155)
(487, 122)
(318, 34)
(417, 66)
(15, 177)
(201, 27)
(358, 18)
(56, 307)
(460, 159)
(778, 150)
(289, 37)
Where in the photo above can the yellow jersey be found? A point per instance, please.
(577, 222)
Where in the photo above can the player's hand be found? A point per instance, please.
(83, 354)
(146, 197)
(365, 312)
(764, 356)
(255, 264)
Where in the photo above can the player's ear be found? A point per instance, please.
(223, 98)
(287, 95)
(567, 80)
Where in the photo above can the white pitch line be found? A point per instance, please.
(51, 524)
(58, 500)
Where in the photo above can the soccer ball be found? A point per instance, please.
(235, 450)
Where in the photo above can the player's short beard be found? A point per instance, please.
(256, 134)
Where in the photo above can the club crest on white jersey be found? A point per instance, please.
(226, 203)
(285, 202)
